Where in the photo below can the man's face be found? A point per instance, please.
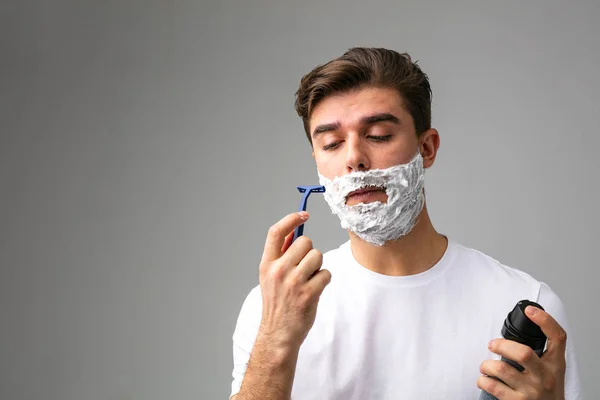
(362, 130)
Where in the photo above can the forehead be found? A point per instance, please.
(348, 107)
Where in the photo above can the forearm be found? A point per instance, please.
(270, 372)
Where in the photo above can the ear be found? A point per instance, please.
(430, 143)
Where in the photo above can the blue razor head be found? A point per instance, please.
(307, 190)
(311, 189)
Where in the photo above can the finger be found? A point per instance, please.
(496, 388)
(278, 232)
(505, 372)
(288, 242)
(557, 336)
(517, 352)
(309, 265)
(318, 282)
(298, 250)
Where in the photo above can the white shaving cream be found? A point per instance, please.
(378, 222)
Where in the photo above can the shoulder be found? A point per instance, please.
(502, 285)
(491, 273)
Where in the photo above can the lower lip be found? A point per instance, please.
(365, 197)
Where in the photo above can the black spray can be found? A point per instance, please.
(518, 327)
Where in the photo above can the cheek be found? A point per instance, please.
(397, 156)
(326, 164)
(395, 159)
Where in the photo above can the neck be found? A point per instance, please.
(414, 253)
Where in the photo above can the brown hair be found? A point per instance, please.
(360, 68)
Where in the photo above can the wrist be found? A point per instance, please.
(287, 339)
(277, 350)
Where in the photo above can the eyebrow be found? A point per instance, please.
(368, 120)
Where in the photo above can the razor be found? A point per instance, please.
(306, 191)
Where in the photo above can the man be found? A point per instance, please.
(399, 311)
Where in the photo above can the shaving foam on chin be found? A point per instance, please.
(378, 222)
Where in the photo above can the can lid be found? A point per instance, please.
(520, 328)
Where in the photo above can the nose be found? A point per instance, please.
(357, 158)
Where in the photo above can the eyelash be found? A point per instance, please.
(381, 138)
(376, 138)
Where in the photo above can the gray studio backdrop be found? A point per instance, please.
(147, 146)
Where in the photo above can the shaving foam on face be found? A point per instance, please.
(378, 222)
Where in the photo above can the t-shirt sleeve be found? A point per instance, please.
(244, 336)
(555, 307)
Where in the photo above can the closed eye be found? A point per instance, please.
(330, 146)
(380, 138)
(375, 138)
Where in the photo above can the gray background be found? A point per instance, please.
(147, 146)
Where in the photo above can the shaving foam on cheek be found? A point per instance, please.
(378, 222)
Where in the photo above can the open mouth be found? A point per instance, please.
(365, 191)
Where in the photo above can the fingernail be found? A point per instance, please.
(491, 344)
(303, 215)
(531, 310)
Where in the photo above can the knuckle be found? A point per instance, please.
(276, 273)
(480, 383)
(562, 336)
(502, 368)
(492, 386)
(318, 256)
(525, 355)
(274, 231)
(263, 268)
(322, 279)
(322, 285)
(482, 367)
(294, 280)
(306, 242)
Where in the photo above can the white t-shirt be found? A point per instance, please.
(422, 336)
